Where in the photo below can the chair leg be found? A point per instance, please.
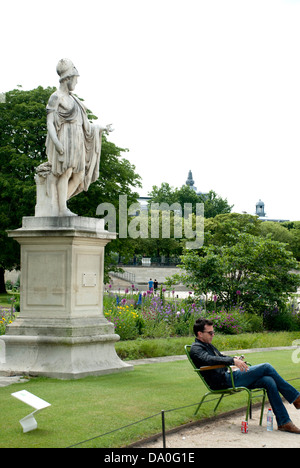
(262, 407)
(202, 400)
(249, 406)
(219, 401)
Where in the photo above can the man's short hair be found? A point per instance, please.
(200, 325)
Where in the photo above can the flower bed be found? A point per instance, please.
(5, 319)
(151, 315)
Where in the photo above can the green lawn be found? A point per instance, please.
(84, 409)
(5, 299)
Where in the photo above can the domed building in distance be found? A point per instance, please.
(260, 212)
(190, 183)
(260, 209)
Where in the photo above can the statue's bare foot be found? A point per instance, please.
(67, 212)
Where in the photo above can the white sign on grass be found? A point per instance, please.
(29, 423)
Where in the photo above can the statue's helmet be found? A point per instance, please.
(65, 69)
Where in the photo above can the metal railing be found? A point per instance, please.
(126, 276)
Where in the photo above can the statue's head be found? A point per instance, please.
(66, 69)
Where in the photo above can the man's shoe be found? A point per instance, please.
(289, 427)
(297, 403)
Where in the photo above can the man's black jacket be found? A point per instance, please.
(204, 354)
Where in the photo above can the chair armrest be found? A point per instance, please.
(218, 366)
(205, 368)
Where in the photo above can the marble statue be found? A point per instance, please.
(73, 148)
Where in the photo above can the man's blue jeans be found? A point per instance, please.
(265, 376)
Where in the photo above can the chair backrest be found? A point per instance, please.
(187, 350)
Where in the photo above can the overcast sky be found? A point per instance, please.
(207, 85)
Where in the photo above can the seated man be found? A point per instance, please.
(203, 353)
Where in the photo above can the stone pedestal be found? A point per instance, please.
(61, 331)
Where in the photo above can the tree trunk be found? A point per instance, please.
(2, 281)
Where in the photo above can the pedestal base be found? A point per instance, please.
(61, 350)
(61, 331)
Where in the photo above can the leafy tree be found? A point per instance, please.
(254, 272)
(241, 254)
(163, 194)
(23, 130)
(278, 232)
(213, 204)
(294, 229)
(296, 243)
(159, 243)
(224, 229)
(185, 194)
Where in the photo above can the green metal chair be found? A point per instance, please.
(227, 391)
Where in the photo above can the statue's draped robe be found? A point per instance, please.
(80, 139)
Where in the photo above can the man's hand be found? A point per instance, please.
(241, 364)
